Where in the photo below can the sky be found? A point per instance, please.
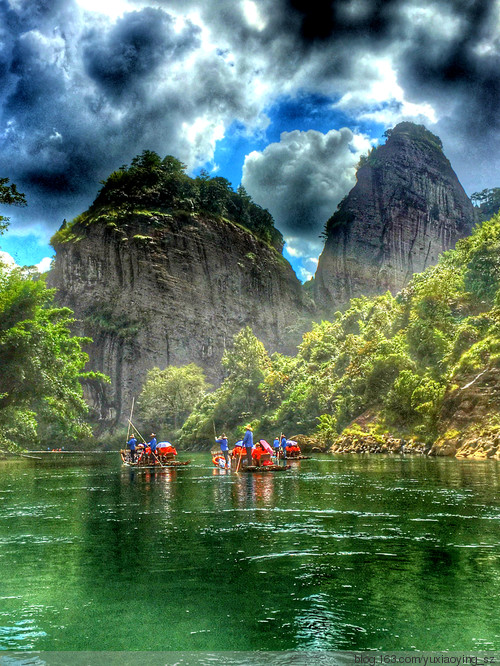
(283, 96)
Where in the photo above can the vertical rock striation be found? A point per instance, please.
(406, 208)
(158, 290)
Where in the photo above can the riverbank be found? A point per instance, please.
(472, 444)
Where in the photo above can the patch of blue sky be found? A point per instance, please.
(303, 112)
(26, 250)
(297, 263)
(230, 153)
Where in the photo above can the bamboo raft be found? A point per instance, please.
(151, 461)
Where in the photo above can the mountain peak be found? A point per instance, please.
(406, 208)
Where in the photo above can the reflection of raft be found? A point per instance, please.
(265, 468)
(164, 456)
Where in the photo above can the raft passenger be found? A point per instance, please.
(283, 446)
(152, 443)
(131, 445)
(276, 446)
(248, 443)
(222, 441)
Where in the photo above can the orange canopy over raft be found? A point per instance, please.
(165, 448)
(292, 447)
(261, 456)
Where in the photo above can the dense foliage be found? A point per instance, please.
(162, 185)
(41, 398)
(239, 397)
(394, 357)
(42, 363)
(9, 195)
(169, 395)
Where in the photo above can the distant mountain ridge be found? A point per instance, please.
(406, 208)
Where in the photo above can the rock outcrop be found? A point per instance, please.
(405, 209)
(470, 417)
(158, 290)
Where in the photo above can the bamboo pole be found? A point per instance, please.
(143, 440)
(130, 419)
(133, 426)
(239, 459)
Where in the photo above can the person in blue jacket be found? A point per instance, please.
(276, 446)
(131, 445)
(152, 442)
(222, 441)
(248, 443)
(283, 445)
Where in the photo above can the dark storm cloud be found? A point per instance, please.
(461, 71)
(302, 178)
(356, 19)
(456, 70)
(134, 48)
(64, 121)
(83, 94)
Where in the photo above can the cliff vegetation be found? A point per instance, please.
(154, 185)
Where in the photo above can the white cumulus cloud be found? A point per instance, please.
(301, 179)
(44, 265)
(7, 260)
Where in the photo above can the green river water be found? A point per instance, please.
(340, 553)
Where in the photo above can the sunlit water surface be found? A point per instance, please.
(391, 553)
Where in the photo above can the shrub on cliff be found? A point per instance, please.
(152, 183)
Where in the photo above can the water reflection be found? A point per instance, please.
(340, 552)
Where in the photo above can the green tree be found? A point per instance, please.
(240, 398)
(247, 364)
(487, 202)
(42, 364)
(10, 196)
(169, 395)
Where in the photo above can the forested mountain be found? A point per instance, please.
(162, 185)
(422, 365)
(164, 269)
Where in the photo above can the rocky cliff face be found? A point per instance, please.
(405, 209)
(469, 419)
(158, 290)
